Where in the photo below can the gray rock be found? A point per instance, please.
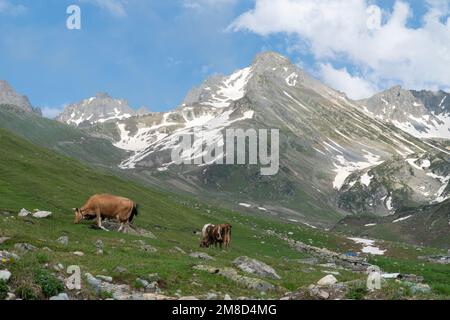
(11, 296)
(105, 278)
(94, 282)
(24, 213)
(5, 275)
(64, 240)
(78, 253)
(99, 244)
(148, 248)
(153, 277)
(42, 214)
(211, 296)
(24, 247)
(227, 297)
(143, 283)
(180, 250)
(120, 270)
(61, 296)
(201, 255)
(3, 239)
(420, 288)
(328, 280)
(188, 298)
(254, 266)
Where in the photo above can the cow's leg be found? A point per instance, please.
(122, 226)
(99, 220)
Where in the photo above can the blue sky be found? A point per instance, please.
(153, 52)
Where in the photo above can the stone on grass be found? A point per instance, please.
(42, 214)
(201, 255)
(5, 275)
(254, 266)
(24, 247)
(61, 296)
(24, 213)
(328, 280)
(64, 240)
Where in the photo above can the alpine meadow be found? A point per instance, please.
(279, 160)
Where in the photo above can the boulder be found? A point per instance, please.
(5, 275)
(129, 229)
(211, 296)
(61, 296)
(42, 214)
(328, 280)
(254, 266)
(24, 213)
(64, 240)
(24, 247)
(78, 253)
(201, 255)
(148, 248)
(105, 278)
(120, 270)
(3, 239)
(420, 288)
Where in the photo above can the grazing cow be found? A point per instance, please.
(207, 235)
(221, 234)
(106, 206)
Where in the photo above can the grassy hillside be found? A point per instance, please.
(32, 177)
(59, 137)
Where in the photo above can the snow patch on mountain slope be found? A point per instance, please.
(402, 219)
(368, 246)
(212, 127)
(231, 89)
(425, 127)
(345, 168)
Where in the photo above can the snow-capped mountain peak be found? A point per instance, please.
(100, 108)
(423, 114)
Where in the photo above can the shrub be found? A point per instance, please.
(27, 292)
(42, 258)
(3, 290)
(356, 293)
(50, 285)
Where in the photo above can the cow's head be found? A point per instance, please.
(78, 215)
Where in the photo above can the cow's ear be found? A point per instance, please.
(75, 209)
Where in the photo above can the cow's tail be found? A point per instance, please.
(134, 212)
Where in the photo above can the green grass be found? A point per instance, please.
(32, 177)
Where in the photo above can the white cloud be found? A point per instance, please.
(6, 7)
(51, 113)
(347, 32)
(207, 4)
(340, 79)
(114, 7)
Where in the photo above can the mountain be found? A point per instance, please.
(331, 149)
(423, 114)
(60, 137)
(98, 109)
(8, 96)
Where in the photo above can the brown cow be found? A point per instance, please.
(106, 206)
(221, 234)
